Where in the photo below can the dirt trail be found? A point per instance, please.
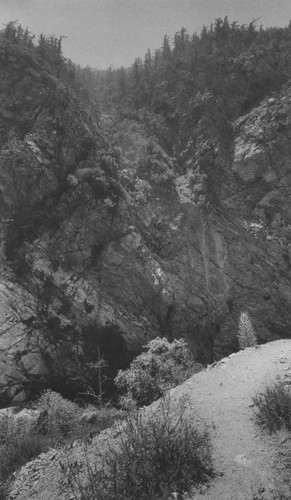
(222, 397)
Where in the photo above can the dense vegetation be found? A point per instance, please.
(189, 92)
(151, 374)
(30, 54)
(239, 64)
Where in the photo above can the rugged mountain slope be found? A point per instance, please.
(110, 237)
(221, 230)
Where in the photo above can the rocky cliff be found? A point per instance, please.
(110, 237)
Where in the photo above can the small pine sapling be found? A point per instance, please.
(246, 333)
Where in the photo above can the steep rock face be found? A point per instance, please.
(21, 361)
(102, 243)
(220, 232)
(55, 165)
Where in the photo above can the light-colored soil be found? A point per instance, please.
(221, 396)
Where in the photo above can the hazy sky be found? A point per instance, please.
(101, 33)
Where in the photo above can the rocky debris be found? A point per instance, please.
(29, 477)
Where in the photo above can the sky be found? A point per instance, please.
(103, 33)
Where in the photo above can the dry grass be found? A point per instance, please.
(157, 455)
(60, 421)
(273, 407)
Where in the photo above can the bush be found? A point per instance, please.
(20, 451)
(58, 415)
(156, 456)
(151, 374)
(19, 443)
(273, 407)
(13, 427)
(246, 333)
(22, 438)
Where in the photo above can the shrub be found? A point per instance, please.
(13, 427)
(273, 407)
(152, 373)
(19, 443)
(22, 439)
(58, 415)
(156, 456)
(246, 333)
(20, 451)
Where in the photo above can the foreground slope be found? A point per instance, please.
(221, 396)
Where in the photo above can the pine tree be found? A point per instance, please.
(166, 48)
(246, 333)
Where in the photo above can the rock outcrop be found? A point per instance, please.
(106, 237)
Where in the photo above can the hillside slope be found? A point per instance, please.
(220, 396)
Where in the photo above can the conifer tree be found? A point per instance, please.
(246, 333)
